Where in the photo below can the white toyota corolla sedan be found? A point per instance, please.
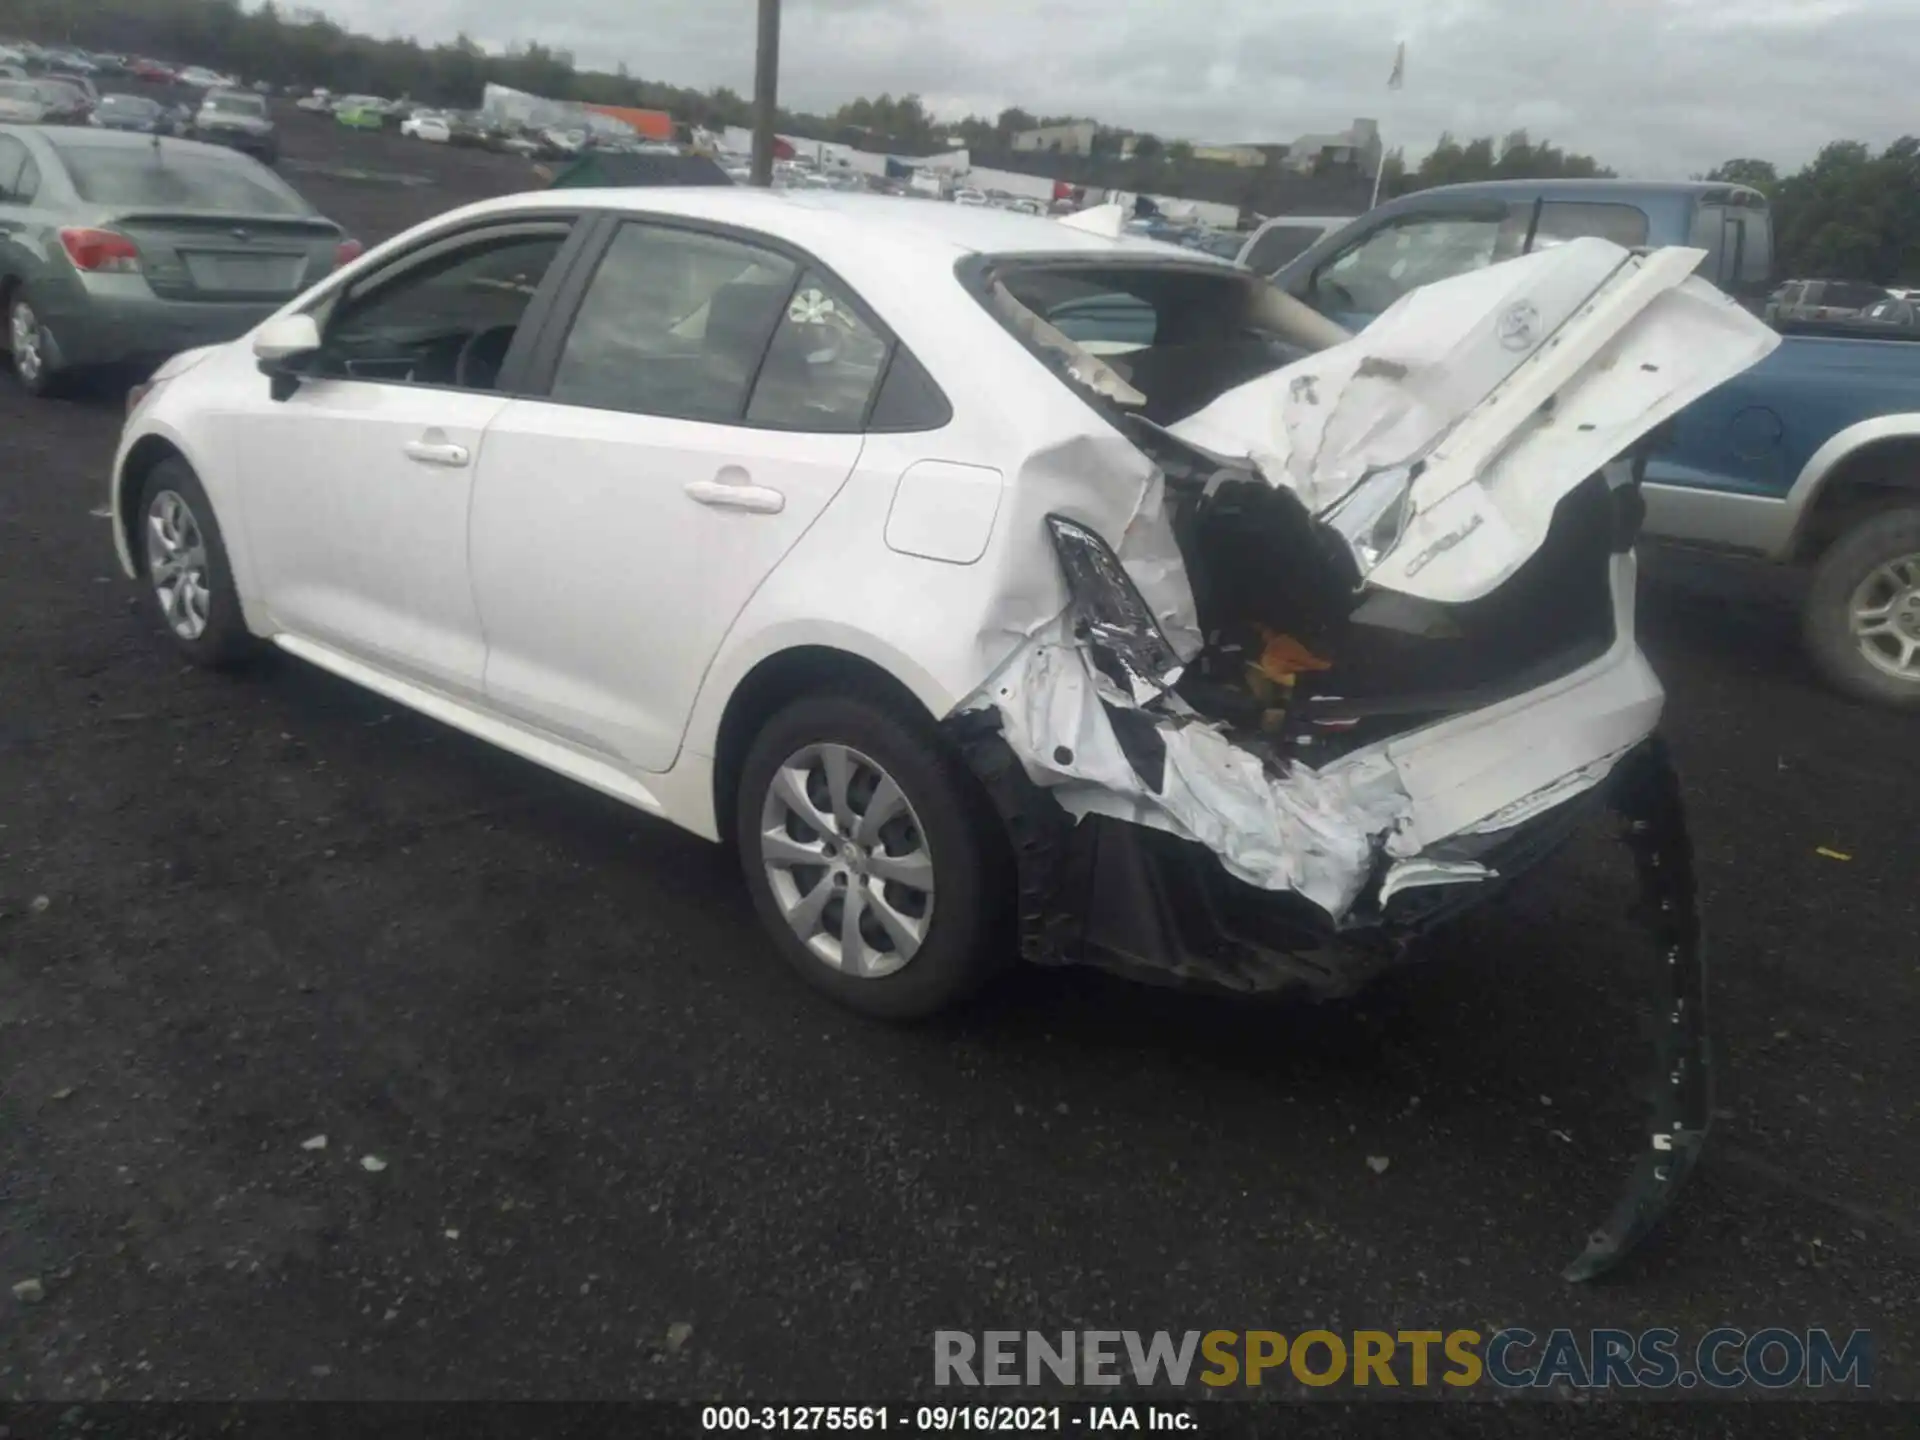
(997, 585)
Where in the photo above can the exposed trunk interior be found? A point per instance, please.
(1312, 666)
(1301, 660)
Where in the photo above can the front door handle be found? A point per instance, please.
(438, 452)
(758, 499)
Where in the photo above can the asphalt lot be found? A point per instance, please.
(277, 909)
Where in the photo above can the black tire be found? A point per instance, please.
(968, 935)
(47, 379)
(225, 643)
(1826, 622)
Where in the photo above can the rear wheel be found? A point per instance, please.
(184, 561)
(1862, 618)
(870, 858)
(36, 358)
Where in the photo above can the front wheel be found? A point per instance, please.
(871, 857)
(1862, 617)
(184, 561)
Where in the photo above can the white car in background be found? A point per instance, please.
(969, 197)
(426, 125)
(320, 102)
(21, 103)
(1237, 654)
(198, 77)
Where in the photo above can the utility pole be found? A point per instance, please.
(766, 90)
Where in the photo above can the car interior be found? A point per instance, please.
(448, 319)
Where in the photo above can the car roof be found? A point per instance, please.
(854, 222)
(1594, 189)
(65, 138)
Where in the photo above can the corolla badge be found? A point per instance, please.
(1519, 325)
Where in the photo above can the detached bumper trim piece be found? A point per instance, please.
(1646, 797)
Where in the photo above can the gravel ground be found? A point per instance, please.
(570, 1101)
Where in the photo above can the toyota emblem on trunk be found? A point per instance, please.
(1519, 325)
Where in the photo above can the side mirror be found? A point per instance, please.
(279, 345)
(285, 338)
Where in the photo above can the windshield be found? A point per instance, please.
(177, 179)
(237, 105)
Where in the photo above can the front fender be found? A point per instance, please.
(154, 424)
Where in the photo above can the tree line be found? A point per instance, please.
(1850, 214)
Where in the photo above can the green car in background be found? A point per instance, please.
(359, 113)
(122, 247)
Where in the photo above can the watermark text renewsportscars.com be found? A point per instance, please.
(1770, 1358)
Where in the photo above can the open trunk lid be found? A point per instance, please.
(1439, 441)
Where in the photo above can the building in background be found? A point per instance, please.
(1250, 157)
(1073, 139)
(1358, 146)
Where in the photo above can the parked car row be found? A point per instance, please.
(67, 60)
(238, 119)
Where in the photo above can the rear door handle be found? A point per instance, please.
(758, 499)
(438, 452)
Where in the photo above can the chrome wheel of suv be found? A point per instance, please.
(1885, 610)
(847, 860)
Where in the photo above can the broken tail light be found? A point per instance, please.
(1110, 616)
(101, 252)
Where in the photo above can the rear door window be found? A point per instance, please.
(1414, 250)
(1756, 248)
(1709, 233)
(1563, 220)
(674, 323)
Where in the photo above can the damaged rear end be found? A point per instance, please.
(1363, 651)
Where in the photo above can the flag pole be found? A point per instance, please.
(1394, 81)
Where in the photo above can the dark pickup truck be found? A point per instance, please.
(1810, 458)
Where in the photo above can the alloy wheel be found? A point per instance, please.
(23, 336)
(1885, 616)
(177, 564)
(847, 860)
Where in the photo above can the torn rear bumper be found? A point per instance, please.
(1157, 908)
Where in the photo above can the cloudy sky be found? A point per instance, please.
(1655, 88)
